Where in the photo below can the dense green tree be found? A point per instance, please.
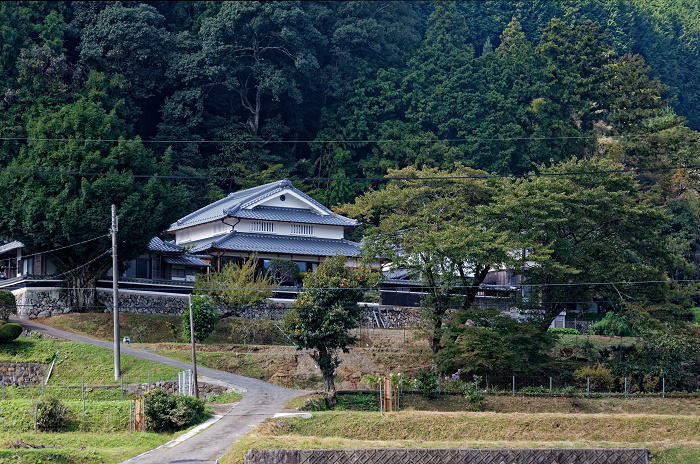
(50, 211)
(437, 231)
(585, 229)
(325, 312)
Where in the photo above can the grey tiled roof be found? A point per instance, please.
(268, 243)
(187, 260)
(13, 245)
(273, 213)
(234, 203)
(157, 244)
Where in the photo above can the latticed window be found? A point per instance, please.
(260, 226)
(302, 229)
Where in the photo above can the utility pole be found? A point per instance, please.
(115, 294)
(194, 353)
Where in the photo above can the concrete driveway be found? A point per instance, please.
(260, 401)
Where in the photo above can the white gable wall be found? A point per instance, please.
(291, 200)
(201, 232)
(285, 228)
(218, 228)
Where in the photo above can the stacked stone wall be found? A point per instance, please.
(22, 374)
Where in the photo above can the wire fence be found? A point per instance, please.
(90, 408)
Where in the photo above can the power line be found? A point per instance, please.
(286, 141)
(67, 246)
(104, 253)
(436, 287)
(353, 179)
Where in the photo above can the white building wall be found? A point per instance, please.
(218, 228)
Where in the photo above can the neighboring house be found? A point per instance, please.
(15, 262)
(270, 221)
(162, 261)
(165, 261)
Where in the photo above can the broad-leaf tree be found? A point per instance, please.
(582, 229)
(436, 230)
(236, 286)
(325, 313)
(47, 211)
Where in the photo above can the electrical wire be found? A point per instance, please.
(67, 246)
(286, 141)
(352, 179)
(106, 252)
(436, 287)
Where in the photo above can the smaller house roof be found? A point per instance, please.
(159, 245)
(267, 243)
(13, 245)
(187, 260)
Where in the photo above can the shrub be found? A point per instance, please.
(204, 318)
(188, 411)
(600, 377)
(563, 331)
(51, 415)
(166, 412)
(613, 325)
(283, 271)
(9, 332)
(427, 384)
(475, 397)
(532, 390)
(8, 305)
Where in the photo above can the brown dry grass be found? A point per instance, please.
(672, 439)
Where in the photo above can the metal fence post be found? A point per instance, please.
(131, 417)
(36, 414)
(550, 385)
(588, 385)
(513, 385)
(663, 387)
(625, 386)
(121, 381)
(82, 397)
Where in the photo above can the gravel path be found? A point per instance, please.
(260, 401)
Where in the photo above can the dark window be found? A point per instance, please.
(178, 272)
(143, 268)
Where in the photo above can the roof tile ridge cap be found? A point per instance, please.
(260, 195)
(223, 238)
(203, 209)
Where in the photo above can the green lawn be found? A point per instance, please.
(100, 416)
(78, 360)
(76, 447)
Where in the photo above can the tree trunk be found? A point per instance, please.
(80, 290)
(327, 363)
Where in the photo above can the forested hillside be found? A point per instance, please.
(223, 92)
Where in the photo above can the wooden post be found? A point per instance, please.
(388, 406)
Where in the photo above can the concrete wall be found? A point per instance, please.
(449, 456)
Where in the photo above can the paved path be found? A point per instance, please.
(260, 401)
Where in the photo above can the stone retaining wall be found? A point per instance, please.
(22, 374)
(449, 456)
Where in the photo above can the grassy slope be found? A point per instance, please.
(77, 447)
(100, 416)
(76, 360)
(673, 439)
